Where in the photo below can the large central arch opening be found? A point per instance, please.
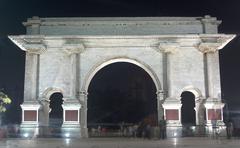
(121, 95)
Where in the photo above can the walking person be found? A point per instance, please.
(229, 129)
(162, 127)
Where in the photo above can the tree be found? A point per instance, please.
(4, 100)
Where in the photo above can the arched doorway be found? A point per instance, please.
(121, 94)
(56, 114)
(188, 113)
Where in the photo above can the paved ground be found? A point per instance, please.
(120, 143)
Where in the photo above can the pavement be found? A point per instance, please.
(192, 142)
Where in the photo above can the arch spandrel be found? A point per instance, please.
(195, 91)
(51, 90)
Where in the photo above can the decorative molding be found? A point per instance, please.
(208, 47)
(210, 44)
(168, 47)
(34, 45)
(73, 48)
(35, 48)
(160, 95)
(82, 96)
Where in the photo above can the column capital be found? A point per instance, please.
(73, 48)
(208, 47)
(168, 47)
(83, 93)
(160, 94)
(211, 44)
(34, 45)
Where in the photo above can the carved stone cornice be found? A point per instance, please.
(212, 44)
(35, 48)
(73, 48)
(208, 47)
(168, 47)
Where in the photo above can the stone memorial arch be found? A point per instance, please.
(63, 55)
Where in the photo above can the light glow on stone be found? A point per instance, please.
(67, 135)
(25, 135)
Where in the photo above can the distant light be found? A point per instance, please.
(175, 134)
(25, 135)
(67, 135)
(175, 141)
(67, 141)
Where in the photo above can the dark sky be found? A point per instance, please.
(14, 12)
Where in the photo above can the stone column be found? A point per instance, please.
(160, 99)
(213, 104)
(171, 105)
(71, 105)
(199, 109)
(74, 51)
(83, 120)
(210, 52)
(167, 48)
(31, 106)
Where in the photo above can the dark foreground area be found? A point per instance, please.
(120, 143)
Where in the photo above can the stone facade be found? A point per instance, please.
(63, 55)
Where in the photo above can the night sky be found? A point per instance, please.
(14, 12)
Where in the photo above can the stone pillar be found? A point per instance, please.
(167, 48)
(71, 118)
(209, 49)
(31, 106)
(74, 50)
(172, 114)
(213, 104)
(171, 105)
(200, 121)
(83, 120)
(214, 111)
(160, 99)
(199, 109)
(71, 106)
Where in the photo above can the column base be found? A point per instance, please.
(174, 131)
(71, 131)
(29, 131)
(84, 132)
(219, 129)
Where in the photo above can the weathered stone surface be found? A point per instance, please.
(180, 54)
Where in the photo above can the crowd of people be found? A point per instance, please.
(140, 130)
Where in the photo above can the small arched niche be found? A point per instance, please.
(56, 110)
(188, 113)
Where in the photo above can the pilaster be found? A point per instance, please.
(74, 50)
(167, 48)
(83, 120)
(31, 106)
(160, 99)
